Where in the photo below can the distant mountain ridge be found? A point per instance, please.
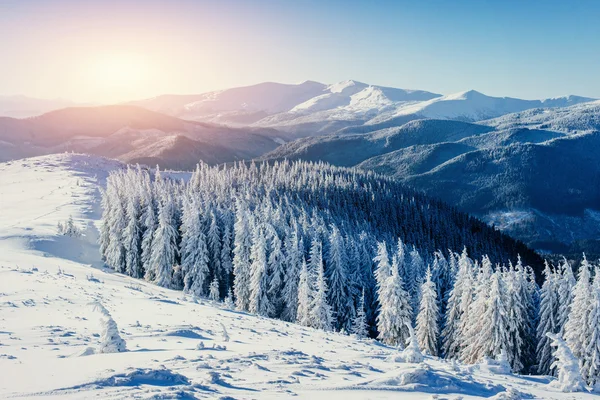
(535, 174)
(312, 108)
(132, 134)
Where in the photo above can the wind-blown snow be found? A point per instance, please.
(177, 347)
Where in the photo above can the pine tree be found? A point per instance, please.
(305, 296)
(293, 261)
(565, 294)
(164, 246)
(226, 262)
(395, 312)
(259, 301)
(115, 250)
(149, 225)
(337, 277)
(214, 247)
(213, 292)
(472, 350)
(452, 334)
(241, 257)
(590, 368)
(567, 366)
(359, 324)
(321, 315)
(229, 303)
(576, 329)
(494, 324)
(194, 252)
(548, 323)
(110, 339)
(276, 273)
(133, 239)
(427, 321)
(417, 268)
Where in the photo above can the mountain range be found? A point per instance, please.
(534, 174)
(526, 166)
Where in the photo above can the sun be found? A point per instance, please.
(120, 74)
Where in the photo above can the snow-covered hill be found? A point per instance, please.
(177, 347)
(539, 163)
(474, 106)
(313, 108)
(132, 134)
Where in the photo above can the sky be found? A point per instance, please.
(112, 51)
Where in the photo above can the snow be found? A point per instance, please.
(177, 346)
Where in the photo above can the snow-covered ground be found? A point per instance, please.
(177, 347)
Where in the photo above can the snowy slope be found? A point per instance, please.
(177, 347)
(475, 106)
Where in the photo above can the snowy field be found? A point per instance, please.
(177, 348)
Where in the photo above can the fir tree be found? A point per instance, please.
(305, 296)
(213, 292)
(395, 313)
(259, 301)
(427, 331)
(359, 324)
(321, 315)
(548, 323)
(194, 252)
(164, 246)
(576, 328)
(241, 257)
(337, 278)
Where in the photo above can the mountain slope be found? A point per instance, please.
(530, 173)
(132, 134)
(313, 108)
(237, 105)
(579, 118)
(349, 150)
(178, 346)
(474, 106)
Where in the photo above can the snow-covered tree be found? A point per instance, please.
(548, 322)
(276, 271)
(259, 301)
(194, 252)
(241, 257)
(321, 315)
(164, 246)
(293, 262)
(110, 339)
(337, 278)
(359, 324)
(493, 324)
(149, 226)
(577, 331)
(213, 292)
(452, 333)
(395, 312)
(305, 296)
(213, 237)
(565, 294)
(567, 366)
(427, 331)
(590, 368)
(229, 303)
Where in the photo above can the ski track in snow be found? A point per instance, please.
(49, 329)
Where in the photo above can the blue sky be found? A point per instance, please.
(527, 49)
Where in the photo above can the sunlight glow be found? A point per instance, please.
(120, 74)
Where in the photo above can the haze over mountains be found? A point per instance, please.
(527, 166)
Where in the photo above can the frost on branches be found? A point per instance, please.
(345, 250)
